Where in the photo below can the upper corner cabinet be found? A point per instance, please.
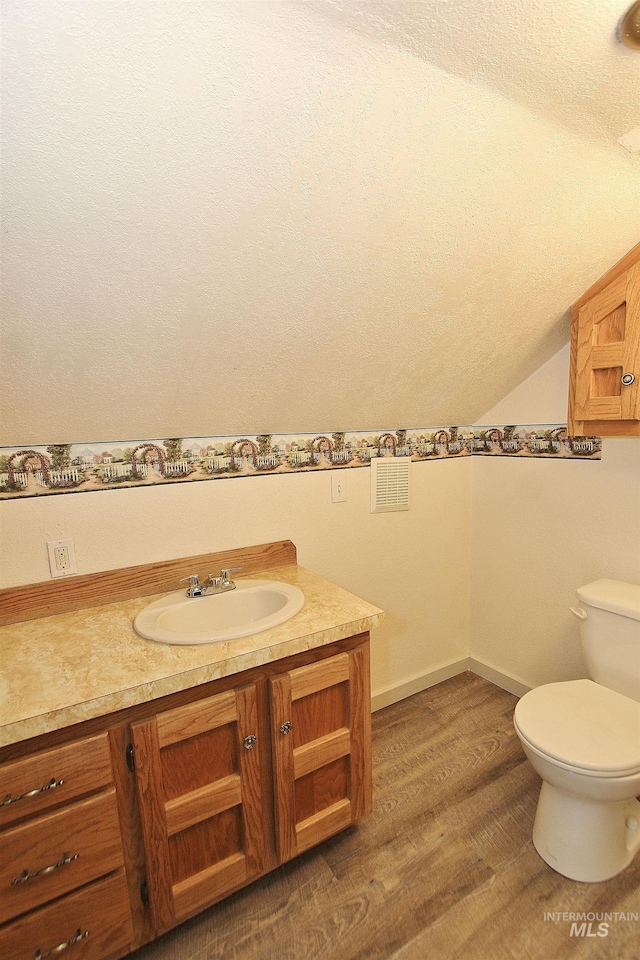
(604, 378)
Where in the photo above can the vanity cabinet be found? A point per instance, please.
(604, 386)
(152, 805)
(112, 837)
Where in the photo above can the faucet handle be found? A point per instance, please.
(195, 587)
(225, 573)
(193, 579)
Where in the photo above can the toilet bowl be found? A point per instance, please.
(583, 740)
(582, 737)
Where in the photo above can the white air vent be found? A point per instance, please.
(389, 484)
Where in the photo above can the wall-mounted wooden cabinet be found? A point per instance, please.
(604, 380)
(112, 837)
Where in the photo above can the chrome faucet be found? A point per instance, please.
(195, 588)
(224, 581)
(211, 585)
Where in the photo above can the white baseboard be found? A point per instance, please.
(487, 672)
(394, 694)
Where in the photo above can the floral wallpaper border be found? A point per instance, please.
(80, 468)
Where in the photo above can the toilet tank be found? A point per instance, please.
(609, 615)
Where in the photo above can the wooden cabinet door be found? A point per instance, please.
(607, 349)
(321, 729)
(198, 777)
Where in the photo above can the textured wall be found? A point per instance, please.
(537, 534)
(222, 215)
(486, 561)
(414, 564)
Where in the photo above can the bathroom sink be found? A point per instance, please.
(253, 606)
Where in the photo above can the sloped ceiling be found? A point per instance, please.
(228, 218)
(560, 58)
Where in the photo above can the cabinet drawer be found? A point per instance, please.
(99, 915)
(39, 782)
(55, 853)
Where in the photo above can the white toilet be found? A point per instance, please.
(583, 738)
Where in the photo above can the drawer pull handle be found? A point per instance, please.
(25, 875)
(53, 783)
(54, 951)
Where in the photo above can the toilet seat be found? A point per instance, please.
(582, 725)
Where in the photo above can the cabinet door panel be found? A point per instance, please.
(207, 843)
(320, 714)
(317, 791)
(199, 761)
(209, 885)
(321, 723)
(319, 676)
(176, 726)
(317, 753)
(321, 825)
(190, 808)
(200, 795)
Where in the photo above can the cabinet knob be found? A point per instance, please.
(628, 379)
(285, 728)
(249, 742)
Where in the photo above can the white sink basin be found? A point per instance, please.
(254, 605)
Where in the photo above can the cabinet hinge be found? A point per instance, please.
(144, 893)
(131, 762)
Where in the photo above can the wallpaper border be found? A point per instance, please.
(91, 467)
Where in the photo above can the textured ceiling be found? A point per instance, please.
(561, 58)
(229, 218)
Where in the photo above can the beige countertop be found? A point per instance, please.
(60, 670)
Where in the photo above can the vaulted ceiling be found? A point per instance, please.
(559, 58)
(223, 218)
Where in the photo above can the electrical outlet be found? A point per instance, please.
(62, 561)
(338, 487)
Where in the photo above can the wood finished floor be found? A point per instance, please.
(444, 869)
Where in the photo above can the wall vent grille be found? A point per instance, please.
(389, 484)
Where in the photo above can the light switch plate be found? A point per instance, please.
(338, 487)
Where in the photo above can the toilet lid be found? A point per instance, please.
(584, 724)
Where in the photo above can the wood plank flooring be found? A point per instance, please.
(443, 870)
